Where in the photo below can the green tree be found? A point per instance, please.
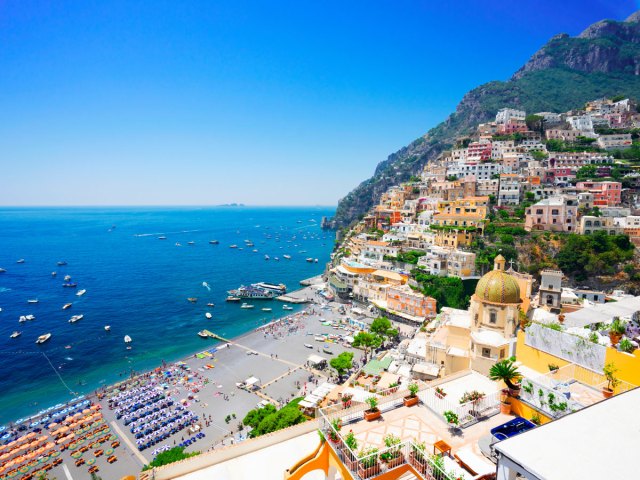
(254, 417)
(382, 326)
(534, 123)
(342, 363)
(586, 172)
(367, 341)
(174, 454)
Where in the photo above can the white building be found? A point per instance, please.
(615, 142)
(509, 190)
(482, 171)
(582, 123)
(505, 115)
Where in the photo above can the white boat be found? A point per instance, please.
(308, 345)
(15, 334)
(315, 260)
(191, 243)
(178, 244)
(66, 306)
(33, 300)
(81, 292)
(288, 257)
(266, 257)
(162, 238)
(20, 261)
(30, 317)
(208, 315)
(202, 334)
(310, 260)
(287, 307)
(127, 339)
(233, 246)
(22, 319)
(67, 278)
(53, 274)
(266, 309)
(277, 259)
(246, 305)
(107, 328)
(75, 318)
(43, 338)
(255, 250)
(211, 304)
(2, 270)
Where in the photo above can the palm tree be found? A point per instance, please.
(506, 371)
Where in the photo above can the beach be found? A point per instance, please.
(204, 387)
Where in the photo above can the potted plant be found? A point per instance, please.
(392, 456)
(368, 464)
(351, 441)
(346, 400)
(474, 397)
(412, 399)
(616, 330)
(373, 412)
(553, 368)
(393, 387)
(336, 423)
(506, 371)
(440, 393)
(505, 407)
(451, 418)
(350, 456)
(609, 371)
(417, 457)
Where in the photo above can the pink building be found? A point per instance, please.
(556, 214)
(559, 175)
(512, 126)
(479, 150)
(605, 194)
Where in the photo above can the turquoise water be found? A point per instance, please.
(138, 285)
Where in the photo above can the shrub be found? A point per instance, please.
(450, 417)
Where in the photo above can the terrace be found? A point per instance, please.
(418, 439)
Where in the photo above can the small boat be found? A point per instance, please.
(33, 300)
(213, 242)
(81, 292)
(67, 347)
(192, 299)
(233, 246)
(70, 285)
(67, 278)
(255, 250)
(76, 318)
(191, 243)
(266, 257)
(162, 238)
(277, 259)
(60, 264)
(53, 274)
(127, 339)
(231, 298)
(288, 257)
(15, 334)
(66, 306)
(308, 345)
(287, 307)
(20, 261)
(315, 260)
(203, 334)
(2, 270)
(211, 304)
(246, 305)
(107, 328)
(266, 309)
(310, 260)
(208, 315)
(43, 338)
(178, 244)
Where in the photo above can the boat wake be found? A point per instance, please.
(206, 285)
(163, 233)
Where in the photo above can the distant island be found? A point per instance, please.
(232, 205)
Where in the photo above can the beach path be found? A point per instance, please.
(126, 440)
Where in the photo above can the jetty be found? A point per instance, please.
(290, 299)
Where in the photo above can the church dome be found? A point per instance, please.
(498, 286)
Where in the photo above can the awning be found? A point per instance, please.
(251, 381)
(316, 359)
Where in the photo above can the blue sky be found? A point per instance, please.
(267, 103)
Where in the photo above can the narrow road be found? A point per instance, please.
(126, 440)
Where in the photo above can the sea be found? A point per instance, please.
(138, 284)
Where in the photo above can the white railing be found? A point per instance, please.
(553, 402)
(468, 413)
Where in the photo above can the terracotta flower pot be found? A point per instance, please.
(607, 393)
(410, 401)
(395, 462)
(418, 462)
(615, 338)
(368, 472)
(505, 408)
(370, 416)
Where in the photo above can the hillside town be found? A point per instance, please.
(457, 347)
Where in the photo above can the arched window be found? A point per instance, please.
(493, 317)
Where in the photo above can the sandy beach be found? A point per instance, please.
(207, 387)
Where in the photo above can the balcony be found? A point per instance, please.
(415, 439)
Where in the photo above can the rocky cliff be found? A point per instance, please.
(604, 60)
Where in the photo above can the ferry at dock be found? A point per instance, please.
(279, 289)
(252, 292)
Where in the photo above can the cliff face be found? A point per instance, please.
(604, 60)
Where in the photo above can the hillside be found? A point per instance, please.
(603, 61)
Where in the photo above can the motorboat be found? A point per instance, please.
(66, 306)
(53, 274)
(107, 328)
(191, 243)
(22, 319)
(81, 292)
(162, 238)
(178, 244)
(67, 278)
(43, 338)
(266, 257)
(127, 339)
(246, 305)
(288, 257)
(287, 307)
(310, 260)
(233, 246)
(192, 299)
(266, 309)
(76, 318)
(60, 264)
(70, 285)
(315, 260)
(203, 334)
(231, 298)
(208, 315)
(214, 242)
(15, 334)
(2, 270)
(20, 261)
(30, 317)
(33, 300)
(255, 250)
(276, 259)
(308, 345)
(211, 305)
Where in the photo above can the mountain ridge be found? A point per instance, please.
(602, 61)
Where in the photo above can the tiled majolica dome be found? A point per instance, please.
(498, 286)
